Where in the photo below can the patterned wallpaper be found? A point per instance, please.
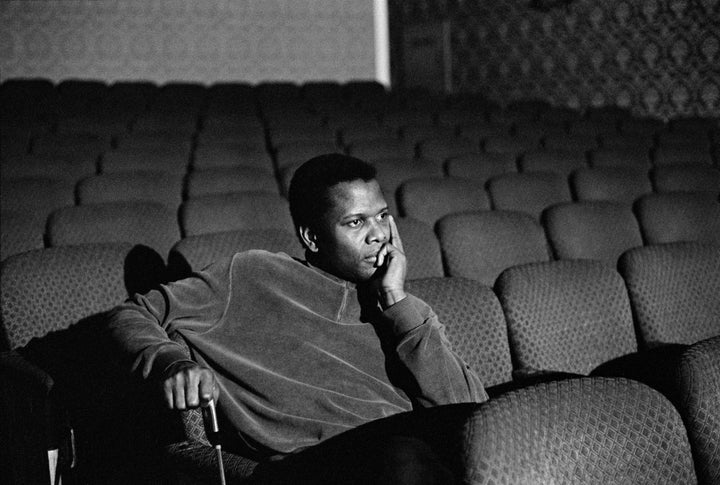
(193, 40)
(658, 57)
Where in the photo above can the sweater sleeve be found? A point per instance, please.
(141, 325)
(440, 375)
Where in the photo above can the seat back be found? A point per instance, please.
(561, 162)
(422, 248)
(688, 178)
(428, 199)
(528, 192)
(19, 233)
(227, 212)
(615, 184)
(567, 316)
(480, 167)
(147, 223)
(46, 290)
(679, 216)
(674, 291)
(480, 245)
(474, 324)
(699, 385)
(230, 179)
(591, 230)
(162, 187)
(586, 430)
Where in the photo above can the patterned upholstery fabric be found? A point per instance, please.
(226, 212)
(165, 188)
(586, 430)
(227, 155)
(428, 199)
(615, 184)
(674, 291)
(591, 230)
(673, 178)
(422, 248)
(20, 233)
(633, 157)
(194, 253)
(50, 289)
(528, 192)
(699, 384)
(232, 179)
(480, 167)
(480, 245)
(567, 316)
(440, 149)
(474, 321)
(679, 216)
(147, 223)
(561, 162)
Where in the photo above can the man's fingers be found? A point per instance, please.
(179, 396)
(208, 389)
(192, 381)
(395, 235)
(381, 256)
(189, 385)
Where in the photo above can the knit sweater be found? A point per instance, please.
(299, 354)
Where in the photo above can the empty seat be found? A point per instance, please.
(641, 126)
(367, 129)
(587, 430)
(226, 212)
(482, 131)
(375, 149)
(596, 128)
(679, 216)
(614, 184)
(83, 145)
(637, 158)
(684, 139)
(150, 159)
(480, 167)
(147, 223)
(440, 149)
(422, 248)
(428, 199)
(36, 196)
(414, 134)
(231, 155)
(591, 230)
(232, 131)
(19, 233)
(194, 253)
(560, 162)
(282, 135)
(166, 122)
(699, 384)
(230, 179)
(292, 153)
(567, 142)
(145, 186)
(627, 142)
(51, 289)
(674, 291)
(528, 192)
(480, 245)
(686, 178)
(392, 172)
(474, 324)
(511, 144)
(682, 156)
(48, 166)
(566, 316)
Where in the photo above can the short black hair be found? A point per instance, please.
(310, 185)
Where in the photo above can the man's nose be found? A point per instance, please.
(377, 233)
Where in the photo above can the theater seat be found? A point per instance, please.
(528, 192)
(674, 291)
(480, 245)
(428, 199)
(679, 216)
(614, 184)
(686, 178)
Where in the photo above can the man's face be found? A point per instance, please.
(353, 230)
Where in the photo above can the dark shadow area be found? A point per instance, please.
(178, 267)
(144, 269)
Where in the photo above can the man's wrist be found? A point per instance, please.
(388, 297)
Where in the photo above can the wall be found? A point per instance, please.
(658, 57)
(207, 40)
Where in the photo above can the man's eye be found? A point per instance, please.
(355, 222)
(383, 216)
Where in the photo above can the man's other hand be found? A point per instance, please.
(187, 385)
(393, 264)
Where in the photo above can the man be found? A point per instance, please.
(296, 352)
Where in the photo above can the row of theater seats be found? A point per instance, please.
(654, 319)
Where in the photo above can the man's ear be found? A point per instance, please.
(309, 238)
